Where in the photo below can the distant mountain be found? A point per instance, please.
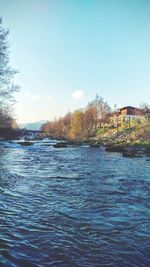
(32, 125)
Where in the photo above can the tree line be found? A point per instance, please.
(95, 120)
(80, 124)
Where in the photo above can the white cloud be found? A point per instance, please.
(78, 95)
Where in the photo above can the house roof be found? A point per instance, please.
(128, 107)
(132, 110)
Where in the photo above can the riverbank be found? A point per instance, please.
(131, 142)
(116, 142)
(9, 133)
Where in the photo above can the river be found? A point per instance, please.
(75, 206)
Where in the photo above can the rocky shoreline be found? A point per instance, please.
(132, 151)
(127, 150)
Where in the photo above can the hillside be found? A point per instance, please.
(35, 126)
(135, 135)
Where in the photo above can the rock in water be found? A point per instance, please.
(25, 143)
(60, 145)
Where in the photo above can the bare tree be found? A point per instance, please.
(146, 109)
(102, 109)
(7, 85)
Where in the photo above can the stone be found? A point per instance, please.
(60, 145)
(25, 143)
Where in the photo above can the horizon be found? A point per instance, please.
(69, 51)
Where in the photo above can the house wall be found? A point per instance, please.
(131, 111)
(130, 117)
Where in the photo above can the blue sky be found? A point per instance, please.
(69, 50)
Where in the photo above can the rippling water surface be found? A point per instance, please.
(73, 207)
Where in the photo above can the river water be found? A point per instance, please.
(75, 206)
